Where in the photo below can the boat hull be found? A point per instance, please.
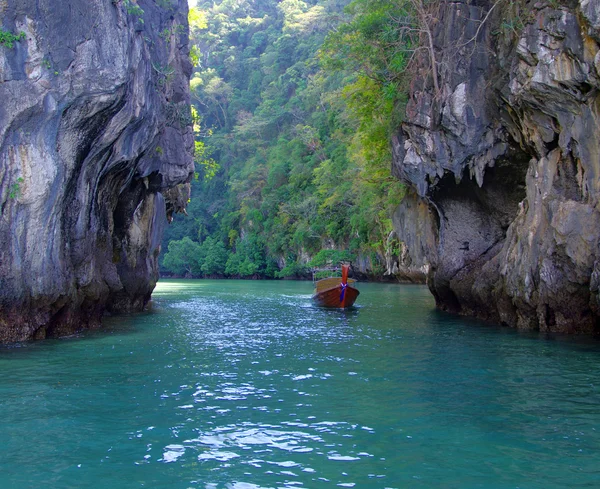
(334, 298)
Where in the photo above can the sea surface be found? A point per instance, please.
(246, 385)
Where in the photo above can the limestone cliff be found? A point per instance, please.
(95, 153)
(503, 163)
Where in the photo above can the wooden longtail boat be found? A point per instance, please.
(336, 291)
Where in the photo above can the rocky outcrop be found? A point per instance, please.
(505, 156)
(418, 239)
(95, 153)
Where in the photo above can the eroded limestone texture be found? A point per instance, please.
(95, 132)
(506, 157)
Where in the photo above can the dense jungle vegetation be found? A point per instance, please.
(294, 102)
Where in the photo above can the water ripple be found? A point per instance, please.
(244, 385)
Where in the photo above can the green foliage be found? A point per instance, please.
(133, 9)
(331, 258)
(15, 189)
(215, 257)
(195, 56)
(7, 39)
(248, 258)
(294, 156)
(168, 32)
(376, 44)
(196, 19)
(293, 269)
(183, 257)
(209, 166)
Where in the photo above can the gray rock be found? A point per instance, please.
(509, 167)
(95, 153)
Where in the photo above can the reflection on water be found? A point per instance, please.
(228, 384)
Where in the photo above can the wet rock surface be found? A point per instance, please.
(506, 158)
(95, 154)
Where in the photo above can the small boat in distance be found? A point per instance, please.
(336, 292)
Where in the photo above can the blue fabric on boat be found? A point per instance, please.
(343, 291)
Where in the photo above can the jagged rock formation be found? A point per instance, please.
(503, 163)
(95, 153)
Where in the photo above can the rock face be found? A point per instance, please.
(95, 153)
(503, 163)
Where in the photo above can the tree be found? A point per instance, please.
(183, 258)
(215, 257)
(298, 143)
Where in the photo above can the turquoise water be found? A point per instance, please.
(244, 385)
